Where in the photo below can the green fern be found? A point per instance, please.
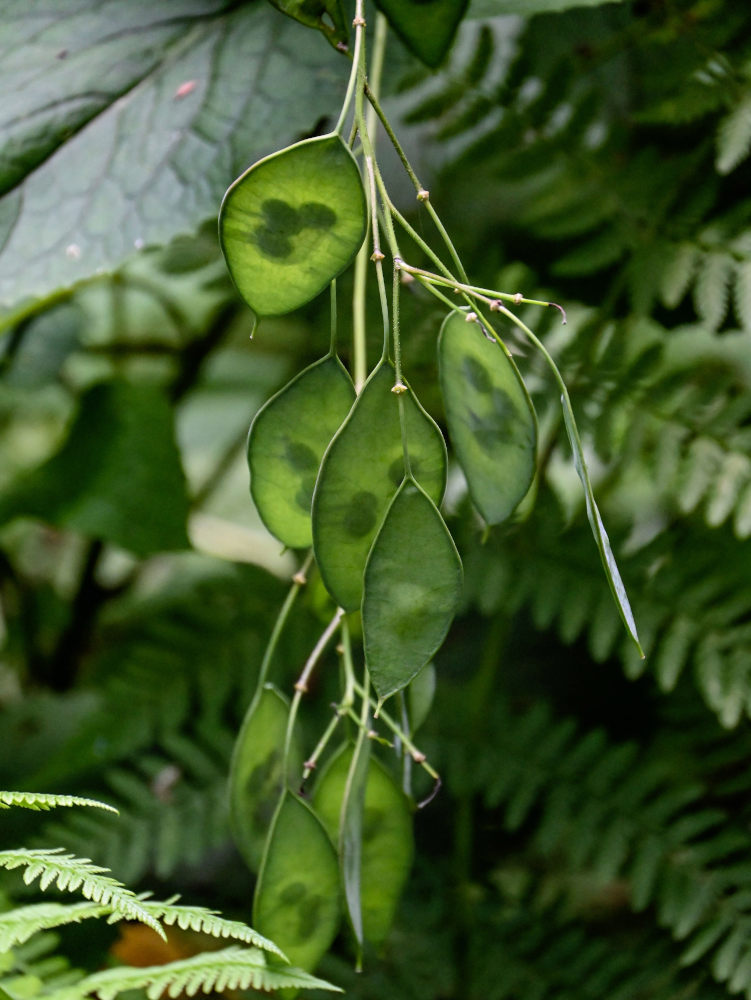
(35, 967)
(44, 801)
(211, 972)
(23, 922)
(69, 874)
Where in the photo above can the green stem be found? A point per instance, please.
(298, 581)
(491, 297)
(343, 708)
(333, 333)
(417, 755)
(434, 291)
(359, 23)
(359, 341)
(301, 684)
(422, 194)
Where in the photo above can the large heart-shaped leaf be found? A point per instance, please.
(292, 222)
(121, 124)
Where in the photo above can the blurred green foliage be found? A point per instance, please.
(591, 839)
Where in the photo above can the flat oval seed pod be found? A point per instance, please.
(256, 778)
(387, 840)
(297, 901)
(286, 444)
(412, 589)
(427, 27)
(490, 418)
(292, 222)
(359, 475)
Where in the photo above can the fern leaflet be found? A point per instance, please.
(45, 800)
(69, 873)
(23, 922)
(209, 972)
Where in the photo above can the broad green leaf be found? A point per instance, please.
(256, 777)
(122, 124)
(490, 418)
(297, 902)
(117, 476)
(359, 475)
(427, 27)
(293, 222)
(387, 841)
(312, 13)
(412, 589)
(286, 444)
(598, 528)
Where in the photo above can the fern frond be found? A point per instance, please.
(45, 801)
(209, 972)
(620, 812)
(734, 137)
(204, 921)
(69, 874)
(23, 922)
(159, 831)
(36, 967)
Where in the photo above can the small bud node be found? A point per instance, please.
(301, 686)
(309, 765)
(418, 757)
(496, 305)
(377, 255)
(339, 648)
(399, 388)
(300, 578)
(517, 298)
(471, 317)
(358, 22)
(423, 195)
